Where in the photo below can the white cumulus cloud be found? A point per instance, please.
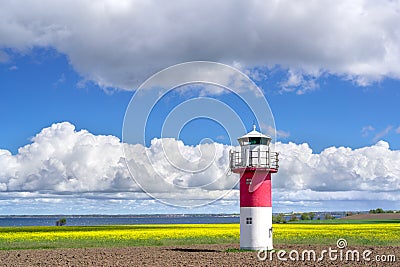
(60, 159)
(63, 162)
(338, 171)
(120, 43)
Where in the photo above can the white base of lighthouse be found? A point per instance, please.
(256, 228)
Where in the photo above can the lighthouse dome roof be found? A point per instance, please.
(254, 133)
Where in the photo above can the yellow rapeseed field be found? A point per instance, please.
(137, 235)
(139, 232)
(365, 234)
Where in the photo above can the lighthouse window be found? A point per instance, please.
(254, 140)
(249, 220)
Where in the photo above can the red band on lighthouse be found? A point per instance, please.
(261, 197)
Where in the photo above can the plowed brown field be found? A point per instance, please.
(196, 255)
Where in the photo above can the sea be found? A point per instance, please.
(91, 220)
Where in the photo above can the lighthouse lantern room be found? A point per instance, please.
(255, 162)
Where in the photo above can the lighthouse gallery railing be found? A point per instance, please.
(260, 159)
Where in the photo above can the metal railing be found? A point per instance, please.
(259, 159)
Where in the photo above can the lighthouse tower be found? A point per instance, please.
(255, 163)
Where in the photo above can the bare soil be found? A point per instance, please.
(195, 255)
(377, 216)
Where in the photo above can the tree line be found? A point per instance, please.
(380, 210)
(305, 216)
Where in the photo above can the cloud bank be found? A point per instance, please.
(120, 43)
(62, 163)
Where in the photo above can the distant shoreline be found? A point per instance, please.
(177, 215)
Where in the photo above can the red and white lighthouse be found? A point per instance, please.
(255, 163)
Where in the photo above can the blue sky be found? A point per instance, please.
(69, 71)
(42, 88)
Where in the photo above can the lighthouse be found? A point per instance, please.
(255, 163)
